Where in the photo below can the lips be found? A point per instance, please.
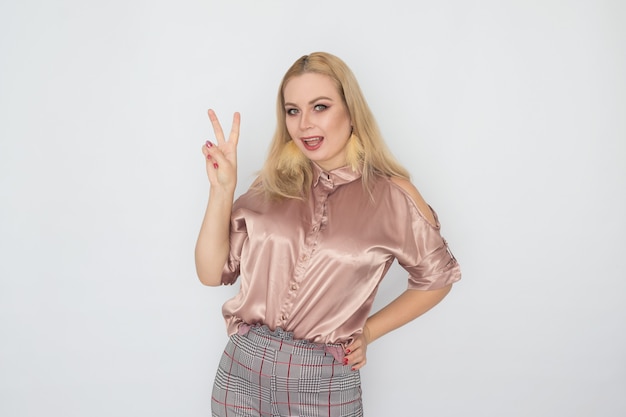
(312, 143)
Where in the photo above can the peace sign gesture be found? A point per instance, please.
(221, 158)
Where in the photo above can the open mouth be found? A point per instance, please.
(313, 142)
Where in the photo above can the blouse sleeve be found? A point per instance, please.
(424, 253)
(237, 238)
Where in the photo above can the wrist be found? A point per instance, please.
(227, 192)
(367, 334)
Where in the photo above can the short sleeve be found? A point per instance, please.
(237, 238)
(423, 252)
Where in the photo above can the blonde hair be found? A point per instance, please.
(287, 172)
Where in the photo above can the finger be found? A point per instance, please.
(209, 158)
(359, 365)
(355, 361)
(217, 127)
(216, 155)
(234, 130)
(356, 344)
(354, 356)
(206, 150)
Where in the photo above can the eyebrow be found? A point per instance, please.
(312, 101)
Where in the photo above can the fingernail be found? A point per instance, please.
(345, 361)
(348, 350)
(353, 368)
(209, 144)
(215, 165)
(208, 157)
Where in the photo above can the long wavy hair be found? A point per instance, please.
(287, 172)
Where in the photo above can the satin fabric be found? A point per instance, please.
(313, 267)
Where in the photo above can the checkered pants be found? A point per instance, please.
(269, 374)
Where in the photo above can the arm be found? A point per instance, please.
(212, 246)
(407, 307)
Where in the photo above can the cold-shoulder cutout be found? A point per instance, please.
(423, 207)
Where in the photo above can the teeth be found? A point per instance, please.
(317, 139)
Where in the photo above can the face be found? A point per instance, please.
(317, 119)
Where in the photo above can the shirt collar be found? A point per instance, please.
(334, 178)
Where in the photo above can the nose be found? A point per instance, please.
(305, 120)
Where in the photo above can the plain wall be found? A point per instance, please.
(511, 117)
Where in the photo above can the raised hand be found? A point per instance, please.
(221, 157)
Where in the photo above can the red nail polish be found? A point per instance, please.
(353, 368)
(209, 144)
(215, 165)
(348, 350)
(345, 361)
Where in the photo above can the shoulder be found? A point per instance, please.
(414, 195)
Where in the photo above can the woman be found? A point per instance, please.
(310, 241)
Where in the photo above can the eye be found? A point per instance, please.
(320, 107)
(291, 112)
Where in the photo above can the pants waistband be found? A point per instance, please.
(282, 340)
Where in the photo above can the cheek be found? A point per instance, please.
(342, 123)
(343, 128)
(291, 127)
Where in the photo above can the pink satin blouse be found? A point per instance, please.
(313, 267)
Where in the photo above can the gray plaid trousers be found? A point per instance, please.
(269, 374)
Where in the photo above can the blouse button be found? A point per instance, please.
(294, 287)
(315, 229)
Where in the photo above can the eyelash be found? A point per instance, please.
(291, 112)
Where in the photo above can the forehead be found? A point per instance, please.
(309, 86)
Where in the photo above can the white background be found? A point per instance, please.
(511, 117)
